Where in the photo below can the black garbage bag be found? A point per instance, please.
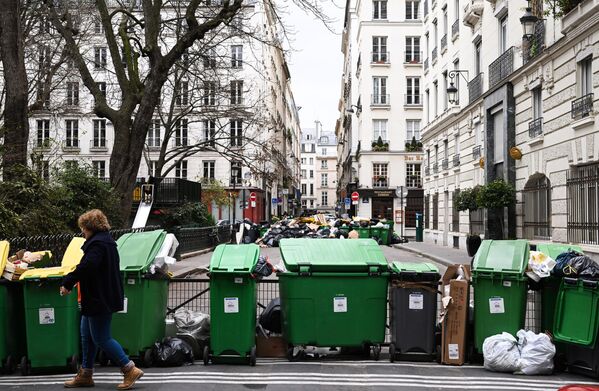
(263, 267)
(574, 264)
(172, 352)
(251, 235)
(270, 319)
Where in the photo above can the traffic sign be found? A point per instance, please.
(347, 202)
(355, 196)
(252, 196)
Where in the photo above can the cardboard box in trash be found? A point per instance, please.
(271, 346)
(454, 319)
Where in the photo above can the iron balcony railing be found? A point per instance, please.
(380, 100)
(427, 171)
(476, 152)
(380, 58)
(168, 191)
(501, 67)
(456, 160)
(98, 144)
(445, 164)
(475, 88)
(413, 57)
(434, 54)
(426, 65)
(444, 42)
(71, 145)
(582, 106)
(455, 28)
(412, 100)
(436, 168)
(535, 127)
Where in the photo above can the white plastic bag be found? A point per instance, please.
(537, 353)
(540, 265)
(501, 353)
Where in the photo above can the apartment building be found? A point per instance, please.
(308, 169)
(326, 172)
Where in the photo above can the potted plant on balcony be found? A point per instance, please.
(495, 196)
(379, 145)
(466, 200)
(414, 146)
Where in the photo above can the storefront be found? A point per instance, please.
(381, 202)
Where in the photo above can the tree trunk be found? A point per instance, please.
(16, 125)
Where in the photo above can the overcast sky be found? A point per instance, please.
(316, 64)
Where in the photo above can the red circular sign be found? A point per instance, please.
(355, 196)
(252, 196)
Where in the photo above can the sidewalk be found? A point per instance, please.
(441, 254)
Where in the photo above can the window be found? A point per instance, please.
(323, 151)
(237, 92)
(43, 169)
(303, 174)
(379, 175)
(42, 97)
(324, 198)
(436, 211)
(153, 169)
(153, 139)
(413, 50)
(181, 132)
(209, 132)
(181, 169)
(379, 91)
(311, 203)
(428, 106)
(412, 130)
(99, 133)
(435, 98)
(303, 160)
(72, 93)
(537, 103)
(445, 149)
(498, 142)
(98, 27)
(209, 93)
(379, 49)
(445, 21)
(236, 56)
(304, 188)
(44, 56)
(379, 9)
(324, 180)
(304, 203)
(379, 127)
(537, 207)
(477, 57)
(99, 57)
(586, 76)
(503, 34)
(236, 132)
(456, 145)
(43, 133)
(413, 91)
(237, 178)
(456, 81)
(324, 165)
(72, 133)
(324, 140)
(427, 211)
(582, 199)
(182, 97)
(208, 166)
(311, 189)
(311, 174)
(102, 87)
(45, 26)
(455, 213)
(209, 59)
(311, 161)
(412, 8)
(413, 175)
(435, 34)
(99, 168)
(456, 9)
(444, 99)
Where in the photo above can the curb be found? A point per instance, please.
(196, 253)
(433, 258)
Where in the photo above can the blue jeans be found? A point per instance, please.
(95, 333)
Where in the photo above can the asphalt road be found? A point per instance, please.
(327, 374)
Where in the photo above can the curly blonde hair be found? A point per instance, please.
(94, 220)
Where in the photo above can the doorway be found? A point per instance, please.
(382, 207)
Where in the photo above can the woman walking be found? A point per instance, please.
(99, 278)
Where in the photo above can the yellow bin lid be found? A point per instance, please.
(4, 247)
(70, 260)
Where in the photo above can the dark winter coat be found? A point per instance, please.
(99, 277)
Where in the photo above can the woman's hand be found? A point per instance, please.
(64, 291)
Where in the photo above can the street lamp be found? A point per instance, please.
(453, 95)
(528, 21)
(351, 111)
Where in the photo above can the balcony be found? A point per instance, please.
(435, 168)
(380, 100)
(153, 144)
(427, 171)
(380, 181)
(98, 145)
(445, 164)
(476, 152)
(456, 160)
(583, 106)
(413, 57)
(413, 100)
(171, 191)
(473, 11)
(444, 44)
(237, 101)
(71, 146)
(426, 65)
(380, 145)
(434, 55)
(501, 67)
(180, 142)
(455, 29)
(475, 88)
(380, 58)
(535, 128)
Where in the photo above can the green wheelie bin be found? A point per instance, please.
(500, 288)
(333, 294)
(12, 325)
(232, 305)
(51, 320)
(380, 233)
(141, 323)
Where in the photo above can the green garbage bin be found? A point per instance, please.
(381, 234)
(363, 232)
(500, 288)
(141, 323)
(232, 304)
(12, 328)
(333, 294)
(550, 285)
(51, 320)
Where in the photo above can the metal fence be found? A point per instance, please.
(199, 238)
(582, 185)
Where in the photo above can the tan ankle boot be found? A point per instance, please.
(82, 379)
(130, 377)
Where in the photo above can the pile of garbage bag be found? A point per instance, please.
(172, 352)
(530, 354)
(575, 264)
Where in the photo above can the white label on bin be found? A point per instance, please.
(507, 284)
(131, 281)
(238, 280)
(496, 305)
(125, 302)
(416, 301)
(454, 351)
(47, 316)
(231, 305)
(339, 304)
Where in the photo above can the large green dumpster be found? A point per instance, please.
(233, 304)
(500, 288)
(12, 324)
(51, 320)
(334, 293)
(141, 323)
(550, 285)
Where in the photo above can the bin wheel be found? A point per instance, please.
(74, 363)
(103, 359)
(147, 358)
(253, 356)
(206, 355)
(392, 352)
(25, 367)
(376, 352)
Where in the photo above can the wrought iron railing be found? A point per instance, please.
(434, 54)
(380, 100)
(535, 127)
(456, 160)
(444, 42)
(475, 88)
(455, 28)
(412, 99)
(168, 191)
(427, 171)
(582, 106)
(581, 184)
(426, 65)
(413, 57)
(476, 152)
(200, 238)
(501, 67)
(435, 168)
(380, 57)
(445, 164)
